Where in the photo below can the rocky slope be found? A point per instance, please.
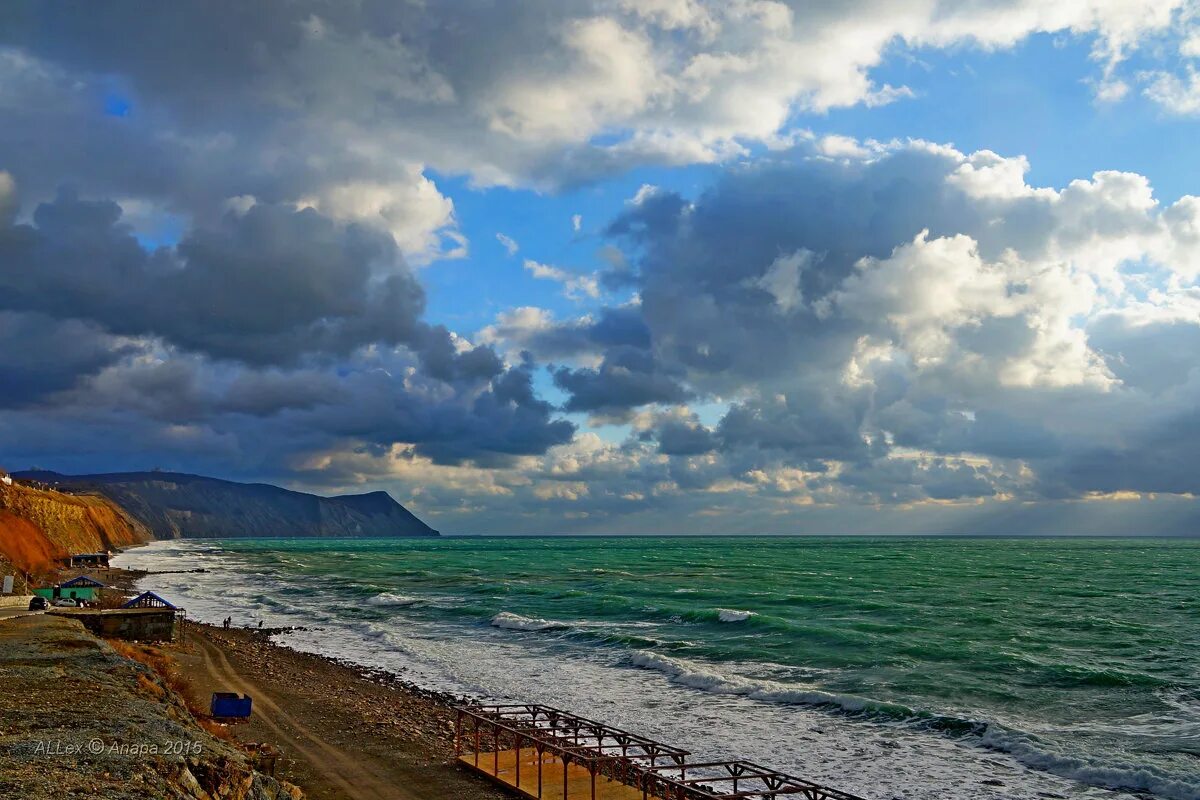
(38, 525)
(77, 719)
(174, 505)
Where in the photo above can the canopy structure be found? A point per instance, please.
(83, 581)
(149, 600)
(551, 754)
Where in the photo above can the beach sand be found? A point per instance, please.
(345, 733)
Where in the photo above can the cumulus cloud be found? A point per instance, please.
(583, 339)
(921, 304)
(267, 286)
(627, 377)
(575, 286)
(315, 98)
(420, 219)
(230, 282)
(311, 328)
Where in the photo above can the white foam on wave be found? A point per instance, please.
(391, 599)
(733, 615)
(1110, 776)
(690, 674)
(516, 622)
(994, 737)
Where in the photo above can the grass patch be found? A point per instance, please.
(167, 669)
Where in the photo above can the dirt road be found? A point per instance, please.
(313, 711)
(355, 776)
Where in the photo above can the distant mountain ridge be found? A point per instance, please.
(175, 505)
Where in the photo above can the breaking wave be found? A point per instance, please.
(698, 677)
(516, 622)
(391, 599)
(733, 615)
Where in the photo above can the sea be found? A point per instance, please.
(887, 667)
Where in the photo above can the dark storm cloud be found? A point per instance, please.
(506, 420)
(40, 356)
(530, 330)
(260, 317)
(267, 287)
(684, 438)
(807, 428)
(1156, 355)
(628, 377)
(932, 425)
(442, 360)
(274, 422)
(905, 481)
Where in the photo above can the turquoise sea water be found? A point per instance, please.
(1075, 661)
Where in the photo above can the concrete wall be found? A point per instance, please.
(137, 624)
(15, 600)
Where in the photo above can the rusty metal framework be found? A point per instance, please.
(653, 768)
(736, 779)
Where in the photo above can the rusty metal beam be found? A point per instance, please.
(592, 745)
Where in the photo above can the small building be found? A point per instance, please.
(135, 624)
(84, 560)
(81, 588)
(146, 618)
(5, 478)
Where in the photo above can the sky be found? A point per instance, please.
(582, 266)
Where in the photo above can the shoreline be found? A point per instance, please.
(345, 731)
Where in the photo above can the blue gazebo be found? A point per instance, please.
(150, 600)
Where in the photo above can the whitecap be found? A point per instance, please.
(391, 599)
(516, 622)
(733, 615)
(699, 677)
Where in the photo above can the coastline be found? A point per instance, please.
(344, 731)
(493, 662)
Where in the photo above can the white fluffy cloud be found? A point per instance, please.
(419, 217)
(908, 323)
(575, 286)
(841, 321)
(1179, 94)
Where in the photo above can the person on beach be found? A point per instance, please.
(227, 622)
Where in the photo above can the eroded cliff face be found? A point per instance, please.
(24, 546)
(39, 525)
